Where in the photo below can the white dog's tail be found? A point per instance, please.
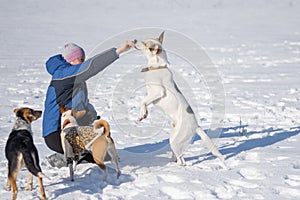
(212, 148)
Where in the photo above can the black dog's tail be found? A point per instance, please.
(31, 158)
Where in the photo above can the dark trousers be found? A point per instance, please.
(53, 141)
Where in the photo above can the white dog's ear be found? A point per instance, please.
(161, 37)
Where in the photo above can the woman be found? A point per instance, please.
(69, 72)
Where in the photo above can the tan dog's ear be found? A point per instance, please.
(61, 109)
(161, 37)
(66, 122)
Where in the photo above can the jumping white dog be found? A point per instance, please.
(163, 92)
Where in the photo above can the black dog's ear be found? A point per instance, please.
(16, 110)
(161, 37)
(19, 112)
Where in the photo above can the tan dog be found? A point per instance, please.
(74, 142)
(102, 145)
(20, 151)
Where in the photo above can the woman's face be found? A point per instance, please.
(77, 61)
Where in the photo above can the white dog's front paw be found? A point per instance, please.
(144, 114)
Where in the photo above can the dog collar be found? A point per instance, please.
(20, 124)
(153, 68)
(69, 129)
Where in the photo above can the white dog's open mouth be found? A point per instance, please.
(135, 42)
(138, 45)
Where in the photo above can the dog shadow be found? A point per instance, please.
(90, 181)
(274, 136)
(149, 148)
(146, 155)
(156, 154)
(228, 150)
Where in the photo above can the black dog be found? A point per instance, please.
(20, 151)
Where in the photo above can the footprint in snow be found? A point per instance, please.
(171, 178)
(252, 174)
(292, 180)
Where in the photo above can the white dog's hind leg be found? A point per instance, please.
(179, 139)
(181, 161)
(212, 148)
(174, 158)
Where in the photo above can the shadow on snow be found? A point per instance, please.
(90, 181)
(274, 136)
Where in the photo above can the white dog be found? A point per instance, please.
(163, 92)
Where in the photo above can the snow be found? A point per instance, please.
(255, 46)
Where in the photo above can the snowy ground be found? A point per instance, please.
(255, 46)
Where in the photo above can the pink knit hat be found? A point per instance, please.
(72, 51)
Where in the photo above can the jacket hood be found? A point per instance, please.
(55, 62)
